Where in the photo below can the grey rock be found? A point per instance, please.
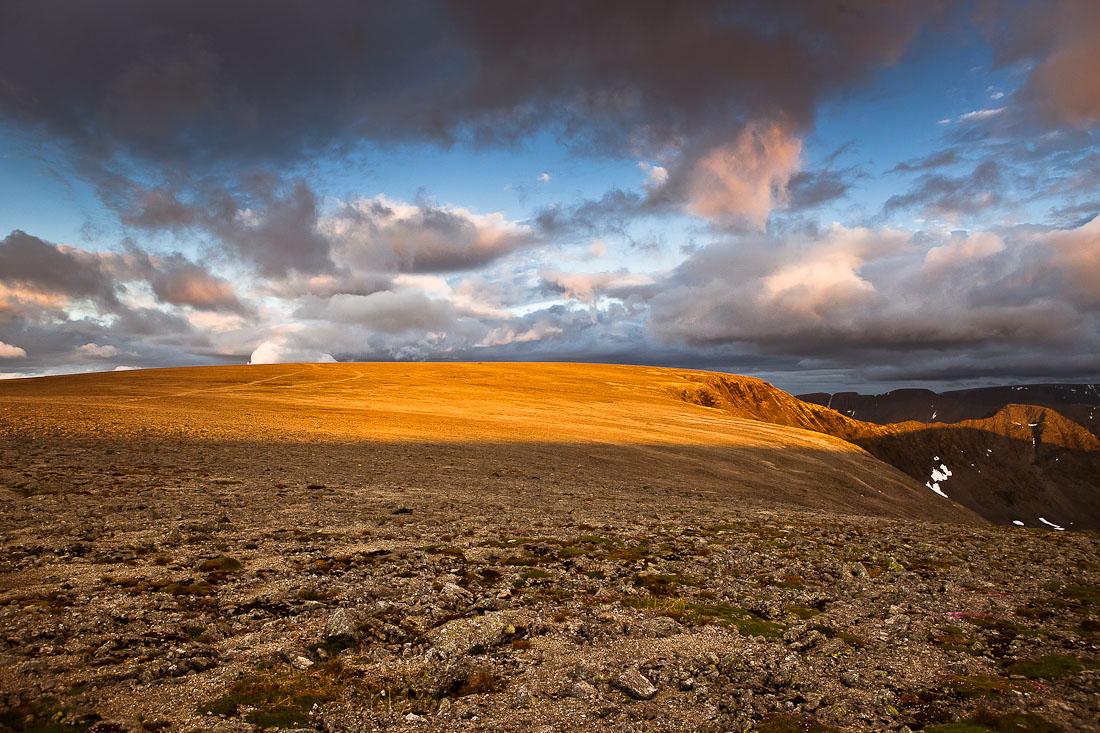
(636, 685)
(342, 625)
(582, 690)
(459, 637)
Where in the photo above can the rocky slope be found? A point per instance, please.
(194, 585)
(1022, 464)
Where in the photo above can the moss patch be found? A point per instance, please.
(986, 685)
(984, 721)
(785, 723)
(747, 622)
(1051, 667)
(281, 701)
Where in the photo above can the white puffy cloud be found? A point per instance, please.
(96, 351)
(278, 350)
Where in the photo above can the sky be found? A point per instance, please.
(853, 195)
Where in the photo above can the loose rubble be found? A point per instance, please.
(179, 589)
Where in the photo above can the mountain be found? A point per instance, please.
(550, 428)
(1023, 464)
(1078, 402)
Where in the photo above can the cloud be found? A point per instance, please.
(1059, 39)
(95, 351)
(1075, 254)
(743, 181)
(962, 248)
(544, 178)
(937, 159)
(278, 350)
(934, 195)
(856, 297)
(810, 189)
(656, 175)
(184, 94)
(979, 115)
(393, 236)
(587, 287)
(385, 312)
(7, 351)
(30, 266)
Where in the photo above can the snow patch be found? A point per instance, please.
(1017, 522)
(1052, 524)
(939, 475)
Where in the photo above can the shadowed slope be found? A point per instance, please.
(591, 425)
(1020, 464)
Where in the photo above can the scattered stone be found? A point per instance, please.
(342, 626)
(636, 685)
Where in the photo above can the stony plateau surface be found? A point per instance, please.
(170, 570)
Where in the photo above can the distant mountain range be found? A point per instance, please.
(1078, 402)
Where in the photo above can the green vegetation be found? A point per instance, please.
(952, 639)
(41, 716)
(856, 642)
(662, 585)
(786, 723)
(985, 685)
(1051, 667)
(747, 622)
(221, 564)
(278, 700)
(802, 611)
(984, 721)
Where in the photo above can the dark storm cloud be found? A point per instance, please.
(27, 262)
(47, 290)
(1058, 39)
(264, 221)
(205, 84)
(181, 282)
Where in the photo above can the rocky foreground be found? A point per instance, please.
(198, 587)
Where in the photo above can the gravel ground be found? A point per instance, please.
(209, 585)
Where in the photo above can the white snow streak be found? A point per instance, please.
(938, 475)
(1052, 524)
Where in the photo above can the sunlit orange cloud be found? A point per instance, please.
(743, 181)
